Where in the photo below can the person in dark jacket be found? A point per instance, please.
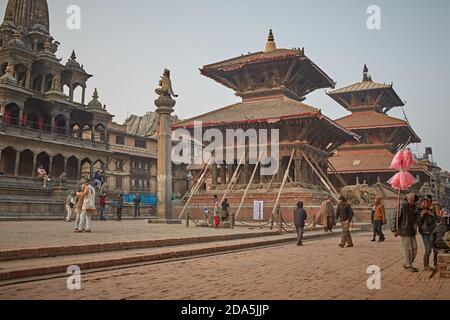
(300, 217)
(426, 223)
(437, 236)
(344, 212)
(119, 207)
(407, 221)
(225, 214)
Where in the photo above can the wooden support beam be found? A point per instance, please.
(325, 176)
(248, 186)
(271, 181)
(197, 187)
(233, 179)
(338, 176)
(330, 189)
(282, 185)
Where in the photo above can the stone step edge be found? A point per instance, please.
(172, 254)
(47, 252)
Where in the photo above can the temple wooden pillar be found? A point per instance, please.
(214, 175)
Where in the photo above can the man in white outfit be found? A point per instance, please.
(87, 209)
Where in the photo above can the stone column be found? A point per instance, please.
(50, 166)
(43, 84)
(164, 105)
(16, 168)
(83, 95)
(80, 170)
(21, 111)
(71, 92)
(28, 79)
(34, 164)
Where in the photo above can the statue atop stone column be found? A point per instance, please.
(164, 105)
(165, 86)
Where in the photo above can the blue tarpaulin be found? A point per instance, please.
(146, 199)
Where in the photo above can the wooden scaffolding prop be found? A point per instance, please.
(233, 180)
(248, 186)
(197, 186)
(322, 176)
(277, 201)
(338, 176)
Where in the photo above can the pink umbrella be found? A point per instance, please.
(403, 161)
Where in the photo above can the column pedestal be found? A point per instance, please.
(164, 106)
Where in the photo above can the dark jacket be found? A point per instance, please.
(437, 237)
(344, 212)
(300, 217)
(120, 203)
(427, 222)
(407, 221)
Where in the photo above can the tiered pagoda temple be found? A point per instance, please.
(381, 135)
(273, 85)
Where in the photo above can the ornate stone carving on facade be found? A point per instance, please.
(72, 62)
(95, 104)
(8, 77)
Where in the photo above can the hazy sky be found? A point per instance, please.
(127, 44)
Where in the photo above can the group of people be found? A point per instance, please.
(422, 217)
(74, 205)
(220, 212)
(327, 217)
(425, 218)
(82, 204)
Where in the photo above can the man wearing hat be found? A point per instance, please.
(344, 212)
(407, 221)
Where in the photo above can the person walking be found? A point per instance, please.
(300, 217)
(344, 212)
(88, 209)
(79, 199)
(225, 214)
(216, 212)
(137, 205)
(427, 222)
(379, 220)
(119, 207)
(102, 206)
(327, 216)
(407, 220)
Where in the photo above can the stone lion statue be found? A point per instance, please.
(165, 85)
(359, 194)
